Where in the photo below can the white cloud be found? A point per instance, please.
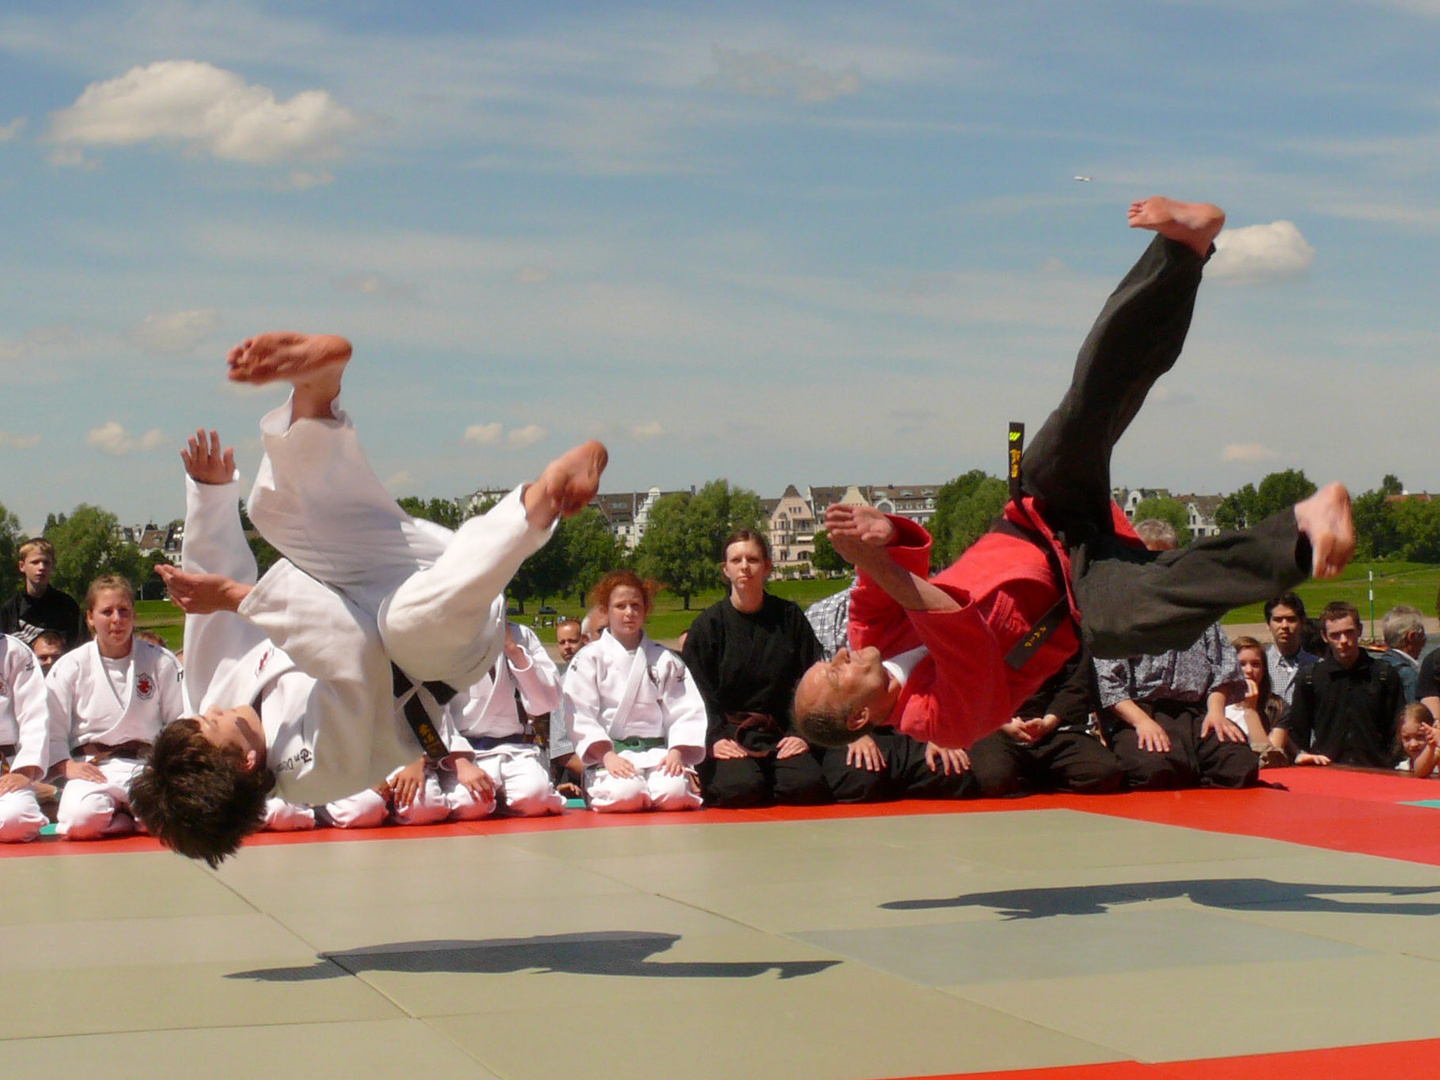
(644, 432)
(301, 179)
(768, 73)
(112, 438)
(525, 436)
(400, 479)
(1260, 253)
(175, 331)
(207, 109)
(1248, 452)
(376, 285)
(10, 130)
(17, 442)
(484, 434)
(532, 275)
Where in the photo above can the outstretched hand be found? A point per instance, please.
(205, 462)
(856, 531)
(202, 594)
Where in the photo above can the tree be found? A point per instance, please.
(1166, 509)
(447, 512)
(1249, 506)
(964, 510)
(826, 559)
(591, 551)
(9, 552)
(678, 548)
(542, 575)
(717, 510)
(87, 544)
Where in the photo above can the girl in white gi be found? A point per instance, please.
(488, 715)
(108, 700)
(23, 735)
(636, 718)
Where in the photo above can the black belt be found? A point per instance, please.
(415, 714)
(490, 742)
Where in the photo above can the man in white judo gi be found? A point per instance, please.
(369, 602)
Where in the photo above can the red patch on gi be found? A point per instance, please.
(144, 686)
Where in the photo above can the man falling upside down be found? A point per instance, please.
(947, 660)
(384, 614)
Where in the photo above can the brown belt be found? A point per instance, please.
(6, 753)
(96, 751)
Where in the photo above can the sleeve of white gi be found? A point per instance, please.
(585, 707)
(539, 681)
(32, 711)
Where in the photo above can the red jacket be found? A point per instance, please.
(1004, 585)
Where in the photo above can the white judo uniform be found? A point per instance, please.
(362, 584)
(644, 698)
(486, 714)
(97, 705)
(327, 737)
(24, 734)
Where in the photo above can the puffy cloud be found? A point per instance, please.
(301, 179)
(112, 438)
(376, 285)
(205, 108)
(767, 73)
(1260, 253)
(40, 340)
(532, 275)
(484, 434)
(1248, 452)
(10, 130)
(399, 480)
(175, 331)
(17, 442)
(645, 432)
(525, 436)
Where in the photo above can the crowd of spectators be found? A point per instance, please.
(624, 724)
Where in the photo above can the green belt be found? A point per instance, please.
(637, 744)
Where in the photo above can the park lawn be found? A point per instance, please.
(1415, 584)
(164, 618)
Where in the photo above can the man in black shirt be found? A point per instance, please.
(1345, 705)
(37, 607)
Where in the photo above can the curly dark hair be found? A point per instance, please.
(198, 798)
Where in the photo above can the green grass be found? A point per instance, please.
(1415, 584)
(164, 618)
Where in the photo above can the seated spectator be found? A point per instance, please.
(746, 654)
(830, 619)
(1404, 630)
(108, 700)
(23, 735)
(1166, 713)
(495, 717)
(1418, 742)
(37, 606)
(1048, 745)
(1345, 705)
(566, 770)
(637, 720)
(48, 647)
(1261, 709)
(1286, 657)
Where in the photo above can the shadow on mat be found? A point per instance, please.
(610, 952)
(1232, 893)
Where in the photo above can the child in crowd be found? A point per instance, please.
(23, 723)
(108, 700)
(1261, 708)
(637, 720)
(1417, 737)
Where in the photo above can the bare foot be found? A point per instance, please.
(1325, 519)
(1193, 224)
(313, 363)
(567, 485)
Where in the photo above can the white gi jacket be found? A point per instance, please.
(487, 709)
(85, 707)
(322, 687)
(667, 704)
(24, 715)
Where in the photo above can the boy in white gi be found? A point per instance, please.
(368, 601)
(637, 719)
(108, 700)
(24, 722)
(488, 715)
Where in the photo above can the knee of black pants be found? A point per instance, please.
(994, 767)
(1101, 778)
(1230, 765)
(851, 783)
(800, 781)
(735, 783)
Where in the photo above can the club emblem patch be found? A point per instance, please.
(144, 686)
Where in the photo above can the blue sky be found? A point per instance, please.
(812, 243)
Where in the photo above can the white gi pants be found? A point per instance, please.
(651, 790)
(21, 818)
(89, 811)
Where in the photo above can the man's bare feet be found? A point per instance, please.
(567, 485)
(313, 363)
(1325, 519)
(1193, 224)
